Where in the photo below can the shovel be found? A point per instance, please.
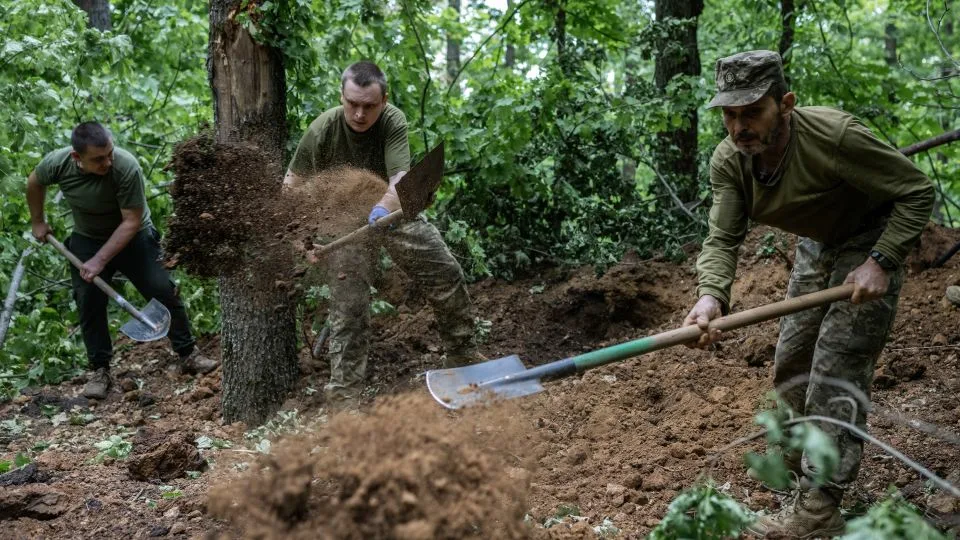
(415, 190)
(507, 378)
(150, 324)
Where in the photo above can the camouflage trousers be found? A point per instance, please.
(841, 340)
(417, 248)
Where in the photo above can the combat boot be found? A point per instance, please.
(98, 384)
(814, 513)
(196, 363)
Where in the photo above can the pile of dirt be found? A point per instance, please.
(231, 211)
(408, 469)
(934, 242)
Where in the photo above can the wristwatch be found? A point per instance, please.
(882, 260)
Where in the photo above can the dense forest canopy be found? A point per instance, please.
(575, 129)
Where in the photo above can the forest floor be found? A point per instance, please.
(608, 449)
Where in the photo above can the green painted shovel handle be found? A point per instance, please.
(687, 334)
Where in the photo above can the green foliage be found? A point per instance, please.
(19, 460)
(114, 447)
(818, 449)
(703, 513)
(892, 518)
(146, 80)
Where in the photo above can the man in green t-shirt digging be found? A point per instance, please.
(366, 132)
(858, 206)
(112, 232)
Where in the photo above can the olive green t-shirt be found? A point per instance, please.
(330, 142)
(837, 179)
(95, 201)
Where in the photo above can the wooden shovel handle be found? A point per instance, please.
(99, 282)
(358, 234)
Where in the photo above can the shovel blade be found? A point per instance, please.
(157, 314)
(460, 387)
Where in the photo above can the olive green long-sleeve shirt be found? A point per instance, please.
(836, 180)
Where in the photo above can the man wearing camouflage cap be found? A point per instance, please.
(857, 206)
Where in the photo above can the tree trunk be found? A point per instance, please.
(511, 54)
(788, 17)
(890, 44)
(677, 152)
(453, 46)
(258, 340)
(98, 13)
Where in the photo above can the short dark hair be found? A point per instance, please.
(364, 74)
(89, 134)
(777, 90)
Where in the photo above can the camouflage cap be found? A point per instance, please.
(745, 77)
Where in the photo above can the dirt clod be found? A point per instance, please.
(164, 456)
(37, 502)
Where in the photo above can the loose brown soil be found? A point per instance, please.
(616, 443)
(232, 213)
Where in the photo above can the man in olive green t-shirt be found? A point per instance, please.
(367, 132)
(112, 232)
(858, 206)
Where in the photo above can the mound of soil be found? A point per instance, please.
(406, 470)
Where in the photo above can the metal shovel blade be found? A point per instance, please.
(467, 386)
(158, 317)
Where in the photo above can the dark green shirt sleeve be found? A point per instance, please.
(305, 162)
(46, 170)
(885, 175)
(397, 148)
(130, 190)
(717, 263)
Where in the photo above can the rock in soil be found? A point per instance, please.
(164, 456)
(27, 474)
(36, 502)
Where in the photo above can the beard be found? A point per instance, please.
(760, 144)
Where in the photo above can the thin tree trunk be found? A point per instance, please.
(453, 46)
(890, 44)
(98, 13)
(511, 54)
(7, 315)
(677, 152)
(258, 340)
(788, 17)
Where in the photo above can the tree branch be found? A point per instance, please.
(932, 142)
(506, 20)
(426, 87)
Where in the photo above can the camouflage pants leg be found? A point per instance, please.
(349, 275)
(419, 250)
(841, 341)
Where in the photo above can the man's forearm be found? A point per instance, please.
(36, 194)
(390, 199)
(118, 240)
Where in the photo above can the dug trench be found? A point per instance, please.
(613, 446)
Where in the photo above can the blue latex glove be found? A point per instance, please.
(376, 213)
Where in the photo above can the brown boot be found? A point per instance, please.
(197, 363)
(814, 513)
(98, 384)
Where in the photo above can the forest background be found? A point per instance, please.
(575, 129)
